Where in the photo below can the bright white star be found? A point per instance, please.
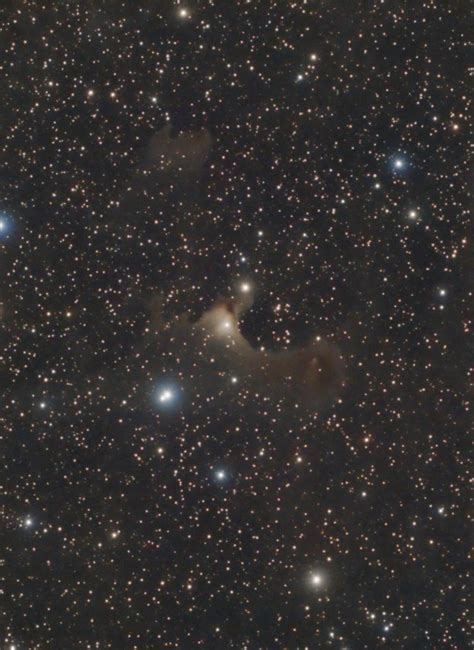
(165, 395)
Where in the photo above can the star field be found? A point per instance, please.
(235, 305)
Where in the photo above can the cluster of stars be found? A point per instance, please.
(302, 169)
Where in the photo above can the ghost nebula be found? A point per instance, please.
(310, 375)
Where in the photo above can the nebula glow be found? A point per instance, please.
(311, 374)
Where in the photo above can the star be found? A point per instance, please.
(316, 579)
(166, 395)
(5, 224)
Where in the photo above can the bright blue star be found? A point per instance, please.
(5, 225)
(167, 395)
(399, 163)
(221, 475)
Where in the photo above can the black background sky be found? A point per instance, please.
(155, 156)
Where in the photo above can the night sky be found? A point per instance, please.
(235, 292)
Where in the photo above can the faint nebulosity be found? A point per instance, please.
(308, 375)
(236, 300)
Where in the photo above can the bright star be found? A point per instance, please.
(5, 223)
(245, 287)
(165, 395)
(316, 580)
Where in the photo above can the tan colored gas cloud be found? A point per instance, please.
(310, 375)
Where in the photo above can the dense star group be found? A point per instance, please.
(234, 302)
